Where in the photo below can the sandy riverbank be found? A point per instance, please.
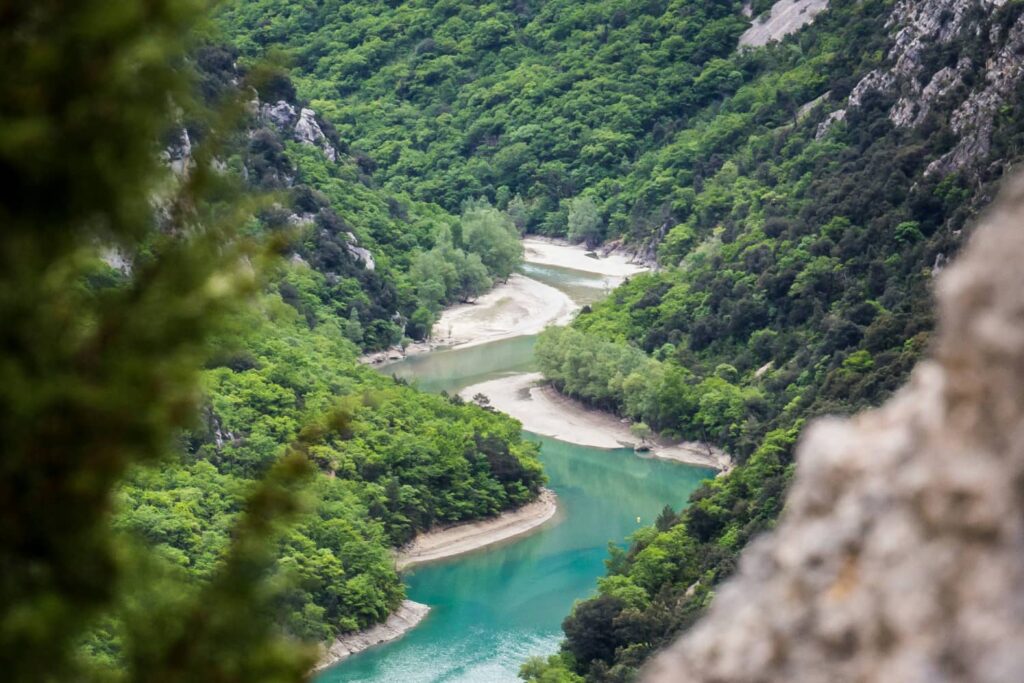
(544, 411)
(470, 536)
(615, 266)
(519, 307)
(402, 620)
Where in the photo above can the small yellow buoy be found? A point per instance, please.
(637, 520)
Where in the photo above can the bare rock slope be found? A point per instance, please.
(973, 91)
(785, 17)
(900, 554)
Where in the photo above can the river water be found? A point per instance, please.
(494, 608)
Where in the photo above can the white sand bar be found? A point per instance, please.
(544, 411)
(459, 539)
(522, 306)
(546, 252)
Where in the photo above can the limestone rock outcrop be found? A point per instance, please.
(900, 553)
(300, 123)
(977, 91)
(178, 154)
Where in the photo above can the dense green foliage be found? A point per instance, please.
(797, 283)
(423, 256)
(399, 462)
(528, 102)
(487, 248)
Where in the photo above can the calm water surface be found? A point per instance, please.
(493, 609)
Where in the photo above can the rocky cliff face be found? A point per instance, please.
(900, 554)
(300, 123)
(924, 72)
(267, 166)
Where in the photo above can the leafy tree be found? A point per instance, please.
(589, 629)
(667, 518)
(473, 278)
(539, 670)
(491, 236)
(585, 223)
(641, 430)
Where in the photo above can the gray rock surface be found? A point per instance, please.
(825, 126)
(178, 155)
(974, 119)
(280, 114)
(785, 17)
(900, 553)
(919, 26)
(301, 125)
(308, 131)
(362, 255)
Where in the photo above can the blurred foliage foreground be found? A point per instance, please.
(97, 379)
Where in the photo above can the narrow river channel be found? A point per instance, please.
(492, 609)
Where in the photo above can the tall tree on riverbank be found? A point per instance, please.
(585, 223)
(491, 234)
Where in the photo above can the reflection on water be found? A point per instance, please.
(583, 288)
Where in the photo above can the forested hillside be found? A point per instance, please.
(798, 197)
(798, 259)
(363, 253)
(391, 461)
(527, 103)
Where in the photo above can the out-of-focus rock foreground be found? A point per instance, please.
(900, 554)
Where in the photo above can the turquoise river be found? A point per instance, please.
(492, 609)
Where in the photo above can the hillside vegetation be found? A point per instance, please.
(527, 103)
(282, 370)
(797, 282)
(798, 197)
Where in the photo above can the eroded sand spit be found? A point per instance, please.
(544, 411)
(463, 538)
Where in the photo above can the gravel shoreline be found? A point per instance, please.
(402, 620)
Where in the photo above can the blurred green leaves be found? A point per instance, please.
(100, 363)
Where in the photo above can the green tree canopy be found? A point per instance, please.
(492, 236)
